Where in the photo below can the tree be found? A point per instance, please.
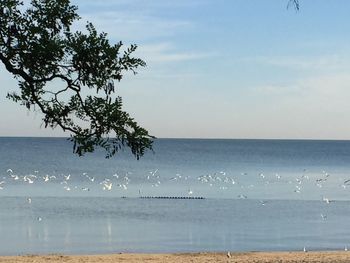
(294, 3)
(57, 70)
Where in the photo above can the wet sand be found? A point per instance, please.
(251, 257)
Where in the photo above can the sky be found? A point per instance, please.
(222, 68)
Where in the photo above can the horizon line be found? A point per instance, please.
(194, 138)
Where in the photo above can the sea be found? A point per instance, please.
(188, 195)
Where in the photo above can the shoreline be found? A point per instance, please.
(201, 257)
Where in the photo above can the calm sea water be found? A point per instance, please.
(259, 195)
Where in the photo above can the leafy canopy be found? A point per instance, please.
(294, 3)
(57, 71)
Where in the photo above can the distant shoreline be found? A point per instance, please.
(247, 257)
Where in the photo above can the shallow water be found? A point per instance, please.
(105, 225)
(260, 195)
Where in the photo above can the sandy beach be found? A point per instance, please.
(251, 257)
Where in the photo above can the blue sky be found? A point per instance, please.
(223, 68)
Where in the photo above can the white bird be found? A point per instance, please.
(326, 200)
(92, 179)
(107, 186)
(67, 188)
(15, 177)
(27, 179)
(190, 192)
(262, 202)
(29, 200)
(304, 249)
(46, 178)
(39, 218)
(229, 254)
(298, 189)
(9, 171)
(67, 177)
(154, 173)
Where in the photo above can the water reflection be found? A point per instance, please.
(109, 231)
(104, 225)
(67, 236)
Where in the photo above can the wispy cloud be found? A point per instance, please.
(140, 4)
(312, 107)
(282, 89)
(137, 20)
(133, 27)
(317, 93)
(322, 62)
(147, 24)
(166, 52)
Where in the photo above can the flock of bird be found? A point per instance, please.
(64, 180)
(242, 185)
(220, 181)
